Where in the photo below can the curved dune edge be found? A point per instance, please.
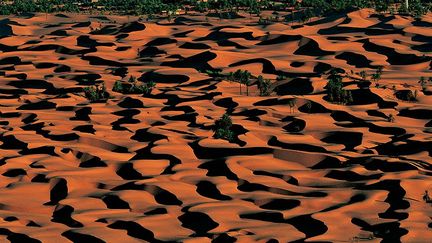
(131, 168)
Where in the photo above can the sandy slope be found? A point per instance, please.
(147, 168)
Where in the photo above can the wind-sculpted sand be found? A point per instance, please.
(148, 168)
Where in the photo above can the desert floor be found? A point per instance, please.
(148, 168)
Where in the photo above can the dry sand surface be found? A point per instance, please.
(140, 168)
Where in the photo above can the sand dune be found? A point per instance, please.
(141, 168)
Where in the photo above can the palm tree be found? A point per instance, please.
(46, 6)
(363, 75)
(292, 103)
(237, 76)
(406, 4)
(263, 86)
(422, 82)
(246, 80)
(308, 105)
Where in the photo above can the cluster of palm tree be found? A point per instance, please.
(45, 6)
(136, 7)
(244, 77)
(264, 86)
(217, 6)
(222, 128)
(415, 7)
(309, 8)
(139, 7)
(335, 90)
